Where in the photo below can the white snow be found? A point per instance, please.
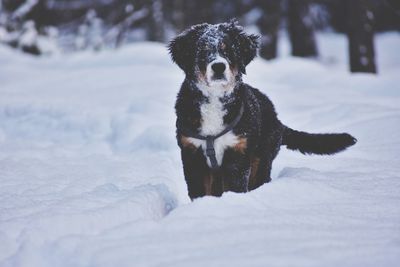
(90, 173)
(29, 35)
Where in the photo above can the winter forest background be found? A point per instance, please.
(46, 26)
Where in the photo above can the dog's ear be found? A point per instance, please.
(245, 44)
(183, 47)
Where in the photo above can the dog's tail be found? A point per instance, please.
(321, 144)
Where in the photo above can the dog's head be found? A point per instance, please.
(214, 55)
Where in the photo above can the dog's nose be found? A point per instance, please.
(218, 68)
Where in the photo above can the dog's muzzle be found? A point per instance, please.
(218, 70)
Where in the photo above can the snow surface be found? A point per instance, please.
(90, 173)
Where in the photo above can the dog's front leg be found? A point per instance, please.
(235, 171)
(197, 173)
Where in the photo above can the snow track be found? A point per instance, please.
(90, 173)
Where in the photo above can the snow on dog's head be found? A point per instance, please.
(214, 56)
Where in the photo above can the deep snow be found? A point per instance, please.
(90, 173)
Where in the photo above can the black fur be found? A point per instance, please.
(321, 144)
(243, 168)
(182, 48)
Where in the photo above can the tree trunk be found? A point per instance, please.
(360, 33)
(198, 12)
(301, 30)
(178, 16)
(156, 30)
(268, 24)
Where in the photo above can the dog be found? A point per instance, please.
(228, 131)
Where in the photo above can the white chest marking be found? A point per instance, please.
(212, 115)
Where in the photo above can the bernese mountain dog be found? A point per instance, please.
(228, 131)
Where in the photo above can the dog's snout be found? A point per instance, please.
(218, 68)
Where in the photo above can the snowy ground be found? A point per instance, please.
(90, 173)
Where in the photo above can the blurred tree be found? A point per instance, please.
(198, 12)
(21, 24)
(386, 13)
(301, 30)
(177, 11)
(360, 32)
(156, 24)
(268, 24)
(94, 24)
